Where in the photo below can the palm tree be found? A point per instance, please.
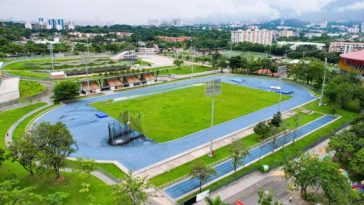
(216, 201)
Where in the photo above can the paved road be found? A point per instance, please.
(90, 132)
(183, 187)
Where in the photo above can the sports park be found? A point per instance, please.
(91, 132)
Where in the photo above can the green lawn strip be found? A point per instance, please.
(109, 169)
(30, 88)
(20, 129)
(291, 151)
(29, 74)
(221, 154)
(9, 117)
(70, 183)
(174, 114)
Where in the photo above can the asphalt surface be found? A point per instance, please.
(91, 133)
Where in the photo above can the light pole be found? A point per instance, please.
(50, 47)
(323, 84)
(88, 81)
(280, 99)
(213, 87)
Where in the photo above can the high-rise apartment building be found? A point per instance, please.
(264, 37)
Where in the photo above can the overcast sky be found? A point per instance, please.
(191, 11)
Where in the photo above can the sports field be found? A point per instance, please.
(174, 114)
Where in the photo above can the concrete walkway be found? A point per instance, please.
(9, 134)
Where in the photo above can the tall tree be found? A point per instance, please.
(202, 172)
(303, 172)
(25, 150)
(237, 153)
(263, 130)
(55, 143)
(132, 190)
(65, 90)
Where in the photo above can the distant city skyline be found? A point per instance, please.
(189, 11)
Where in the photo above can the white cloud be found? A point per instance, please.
(359, 5)
(139, 11)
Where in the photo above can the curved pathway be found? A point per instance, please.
(91, 132)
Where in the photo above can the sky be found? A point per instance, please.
(189, 11)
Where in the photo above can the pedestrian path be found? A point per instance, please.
(186, 186)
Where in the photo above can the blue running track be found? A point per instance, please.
(183, 187)
(91, 133)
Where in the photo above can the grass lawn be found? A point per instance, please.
(30, 74)
(70, 183)
(30, 88)
(222, 153)
(174, 114)
(9, 117)
(187, 69)
(291, 151)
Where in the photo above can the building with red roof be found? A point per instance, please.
(352, 62)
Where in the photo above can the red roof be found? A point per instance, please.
(358, 55)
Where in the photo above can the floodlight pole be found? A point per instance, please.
(323, 84)
(192, 55)
(51, 53)
(212, 122)
(88, 81)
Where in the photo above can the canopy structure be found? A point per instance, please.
(352, 62)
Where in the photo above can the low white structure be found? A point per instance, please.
(9, 89)
(294, 45)
(125, 55)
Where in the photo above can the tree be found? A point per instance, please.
(266, 198)
(202, 172)
(65, 90)
(216, 201)
(335, 186)
(132, 190)
(276, 120)
(178, 62)
(263, 130)
(55, 144)
(357, 162)
(11, 193)
(238, 152)
(24, 150)
(303, 172)
(345, 144)
(342, 89)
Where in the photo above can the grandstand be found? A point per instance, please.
(352, 62)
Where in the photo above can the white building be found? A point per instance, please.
(264, 37)
(9, 89)
(345, 47)
(354, 29)
(294, 45)
(28, 25)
